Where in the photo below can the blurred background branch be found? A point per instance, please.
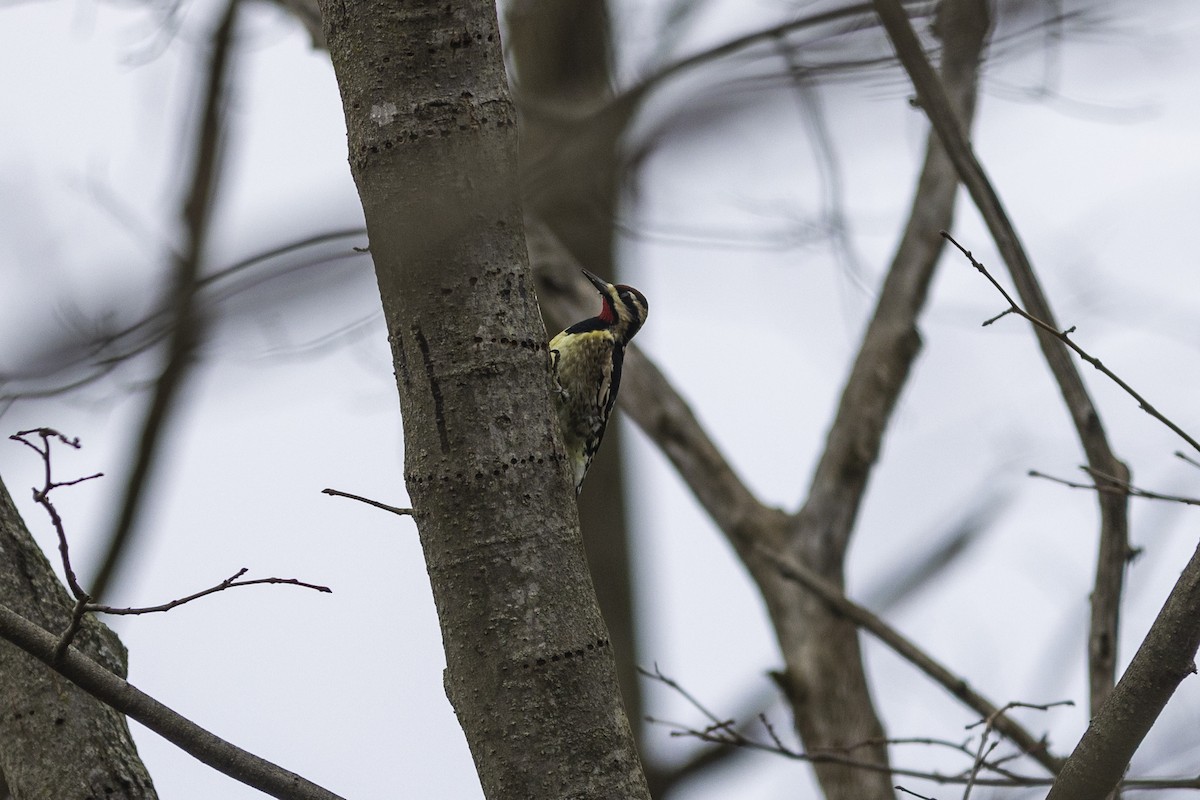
(187, 323)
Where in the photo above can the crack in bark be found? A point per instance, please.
(435, 389)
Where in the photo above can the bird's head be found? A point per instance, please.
(623, 307)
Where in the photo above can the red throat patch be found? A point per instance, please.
(606, 311)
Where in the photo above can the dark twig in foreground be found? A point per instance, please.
(1122, 487)
(83, 604)
(1065, 338)
(403, 512)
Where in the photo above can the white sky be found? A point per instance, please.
(346, 688)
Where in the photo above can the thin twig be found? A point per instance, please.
(957, 686)
(83, 600)
(980, 759)
(42, 498)
(1187, 458)
(229, 583)
(403, 512)
(726, 732)
(684, 693)
(984, 750)
(83, 606)
(1064, 336)
(1122, 487)
(990, 720)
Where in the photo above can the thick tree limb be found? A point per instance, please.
(102, 684)
(1165, 657)
(93, 748)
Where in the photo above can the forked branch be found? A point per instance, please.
(83, 600)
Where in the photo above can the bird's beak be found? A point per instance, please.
(600, 284)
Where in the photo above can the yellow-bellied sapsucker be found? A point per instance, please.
(586, 359)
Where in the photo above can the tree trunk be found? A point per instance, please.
(56, 740)
(432, 143)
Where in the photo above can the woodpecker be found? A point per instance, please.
(586, 359)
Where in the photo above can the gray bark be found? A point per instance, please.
(1165, 657)
(432, 143)
(56, 740)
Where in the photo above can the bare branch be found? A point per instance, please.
(661, 678)
(821, 649)
(83, 601)
(984, 750)
(187, 735)
(726, 732)
(188, 326)
(403, 512)
(664, 779)
(1123, 487)
(102, 355)
(1165, 657)
(229, 583)
(1065, 337)
(42, 498)
(957, 686)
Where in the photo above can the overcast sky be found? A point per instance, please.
(1091, 142)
